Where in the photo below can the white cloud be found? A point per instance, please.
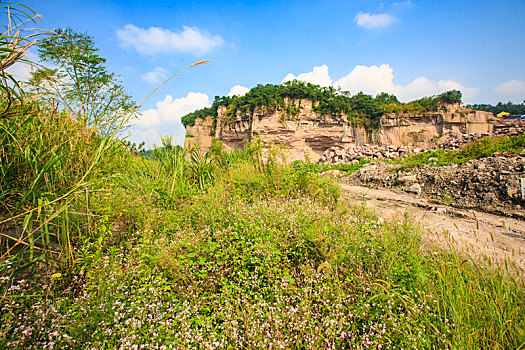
(421, 87)
(374, 21)
(150, 137)
(319, 76)
(376, 79)
(156, 76)
(370, 80)
(156, 40)
(21, 70)
(416, 89)
(238, 90)
(165, 118)
(513, 90)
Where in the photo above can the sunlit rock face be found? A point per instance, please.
(307, 135)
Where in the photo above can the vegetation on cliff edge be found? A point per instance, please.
(360, 109)
(509, 107)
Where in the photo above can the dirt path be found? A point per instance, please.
(485, 237)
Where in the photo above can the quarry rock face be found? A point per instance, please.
(307, 135)
(430, 129)
(200, 134)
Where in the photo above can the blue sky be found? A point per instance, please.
(409, 48)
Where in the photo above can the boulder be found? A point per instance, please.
(415, 188)
(407, 179)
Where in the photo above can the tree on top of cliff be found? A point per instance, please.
(509, 107)
(361, 109)
(452, 96)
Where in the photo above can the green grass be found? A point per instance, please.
(482, 148)
(317, 168)
(225, 250)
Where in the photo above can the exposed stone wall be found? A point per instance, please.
(200, 134)
(308, 135)
(430, 129)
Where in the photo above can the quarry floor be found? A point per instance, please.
(485, 238)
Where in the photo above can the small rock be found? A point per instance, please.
(489, 197)
(415, 188)
(441, 210)
(334, 173)
(408, 179)
(478, 165)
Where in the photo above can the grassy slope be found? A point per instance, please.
(226, 250)
(482, 148)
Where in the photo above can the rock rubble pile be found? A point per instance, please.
(509, 127)
(455, 144)
(340, 154)
(491, 184)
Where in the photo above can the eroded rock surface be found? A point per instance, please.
(307, 135)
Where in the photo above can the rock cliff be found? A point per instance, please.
(307, 134)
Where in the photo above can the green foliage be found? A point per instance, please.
(452, 96)
(509, 107)
(387, 98)
(44, 153)
(487, 146)
(482, 148)
(318, 168)
(361, 109)
(189, 119)
(80, 82)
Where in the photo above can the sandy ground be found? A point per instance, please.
(486, 238)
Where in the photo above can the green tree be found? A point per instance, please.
(77, 79)
(385, 97)
(452, 96)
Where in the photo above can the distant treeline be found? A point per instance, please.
(361, 109)
(509, 107)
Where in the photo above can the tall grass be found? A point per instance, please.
(47, 162)
(256, 259)
(45, 158)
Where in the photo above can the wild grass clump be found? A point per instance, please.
(486, 307)
(317, 168)
(44, 153)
